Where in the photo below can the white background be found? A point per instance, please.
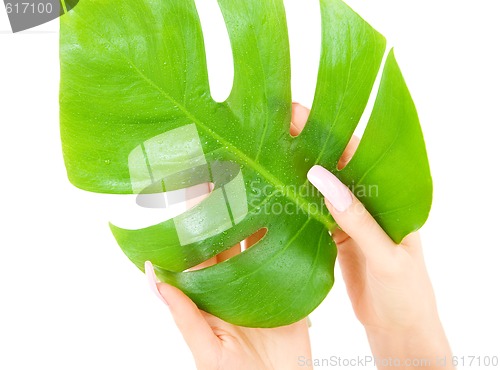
(69, 299)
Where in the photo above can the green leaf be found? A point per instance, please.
(137, 117)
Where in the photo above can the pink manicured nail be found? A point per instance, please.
(331, 187)
(153, 280)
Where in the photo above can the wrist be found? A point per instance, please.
(420, 346)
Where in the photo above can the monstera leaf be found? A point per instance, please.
(137, 117)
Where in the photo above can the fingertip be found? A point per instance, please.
(153, 281)
(350, 214)
(300, 114)
(331, 187)
(349, 151)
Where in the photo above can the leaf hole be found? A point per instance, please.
(217, 48)
(234, 250)
(305, 47)
(137, 211)
(194, 195)
(359, 132)
(365, 117)
(254, 238)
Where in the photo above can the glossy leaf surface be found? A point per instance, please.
(137, 117)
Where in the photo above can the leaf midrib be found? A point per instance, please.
(277, 183)
(290, 194)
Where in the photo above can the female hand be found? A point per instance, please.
(388, 284)
(218, 345)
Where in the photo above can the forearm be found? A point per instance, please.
(420, 348)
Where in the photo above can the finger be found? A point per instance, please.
(348, 152)
(300, 114)
(197, 333)
(351, 215)
(352, 264)
(340, 236)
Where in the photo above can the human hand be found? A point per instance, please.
(388, 284)
(218, 345)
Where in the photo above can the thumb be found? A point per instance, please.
(197, 333)
(351, 215)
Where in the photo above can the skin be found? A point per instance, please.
(388, 286)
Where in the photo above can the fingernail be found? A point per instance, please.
(331, 187)
(153, 280)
